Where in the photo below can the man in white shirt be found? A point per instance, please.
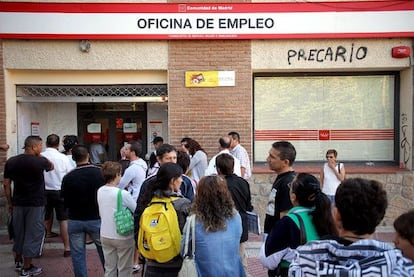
(238, 151)
(53, 183)
(133, 178)
(224, 147)
(135, 174)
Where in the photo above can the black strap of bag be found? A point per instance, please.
(302, 229)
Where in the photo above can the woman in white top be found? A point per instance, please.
(118, 249)
(198, 161)
(332, 174)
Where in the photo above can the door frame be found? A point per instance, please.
(83, 116)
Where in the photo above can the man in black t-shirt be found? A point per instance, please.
(79, 192)
(28, 203)
(280, 160)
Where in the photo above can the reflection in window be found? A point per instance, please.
(353, 114)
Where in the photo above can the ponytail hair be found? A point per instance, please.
(308, 193)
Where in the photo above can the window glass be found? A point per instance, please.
(353, 114)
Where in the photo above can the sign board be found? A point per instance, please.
(35, 129)
(209, 78)
(370, 19)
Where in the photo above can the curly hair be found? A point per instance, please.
(69, 141)
(306, 187)
(213, 203)
(362, 204)
(404, 226)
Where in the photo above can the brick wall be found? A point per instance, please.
(399, 188)
(205, 114)
(2, 110)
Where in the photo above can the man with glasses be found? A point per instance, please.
(332, 174)
(280, 160)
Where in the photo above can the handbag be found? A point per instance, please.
(188, 268)
(124, 220)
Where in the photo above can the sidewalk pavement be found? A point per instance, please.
(55, 265)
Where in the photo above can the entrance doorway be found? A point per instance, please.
(112, 124)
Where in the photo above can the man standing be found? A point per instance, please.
(135, 173)
(98, 152)
(53, 183)
(238, 151)
(224, 147)
(133, 178)
(27, 206)
(165, 154)
(280, 160)
(79, 191)
(153, 165)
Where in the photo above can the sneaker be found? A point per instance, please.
(19, 265)
(136, 268)
(32, 271)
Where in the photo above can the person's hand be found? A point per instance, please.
(4, 147)
(332, 164)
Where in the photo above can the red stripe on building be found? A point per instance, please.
(386, 5)
(373, 134)
(204, 36)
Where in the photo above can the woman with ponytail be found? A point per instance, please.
(309, 219)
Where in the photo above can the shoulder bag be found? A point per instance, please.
(188, 269)
(124, 221)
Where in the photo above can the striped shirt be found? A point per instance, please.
(365, 257)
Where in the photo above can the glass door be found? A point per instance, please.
(112, 129)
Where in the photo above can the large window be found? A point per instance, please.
(354, 114)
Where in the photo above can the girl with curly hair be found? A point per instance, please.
(218, 230)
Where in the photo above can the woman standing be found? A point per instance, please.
(166, 185)
(218, 230)
(312, 208)
(118, 249)
(198, 162)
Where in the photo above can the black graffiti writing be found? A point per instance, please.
(329, 54)
(405, 144)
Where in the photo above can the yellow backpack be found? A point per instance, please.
(159, 235)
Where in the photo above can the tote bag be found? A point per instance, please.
(188, 269)
(124, 221)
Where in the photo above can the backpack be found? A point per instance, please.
(362, 258)
(159, 235)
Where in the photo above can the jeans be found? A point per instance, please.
(77, 230)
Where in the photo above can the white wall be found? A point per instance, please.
(57, 118)
(157, 112)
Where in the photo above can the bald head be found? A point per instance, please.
(225, 142)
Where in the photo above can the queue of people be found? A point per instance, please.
(310, 226)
